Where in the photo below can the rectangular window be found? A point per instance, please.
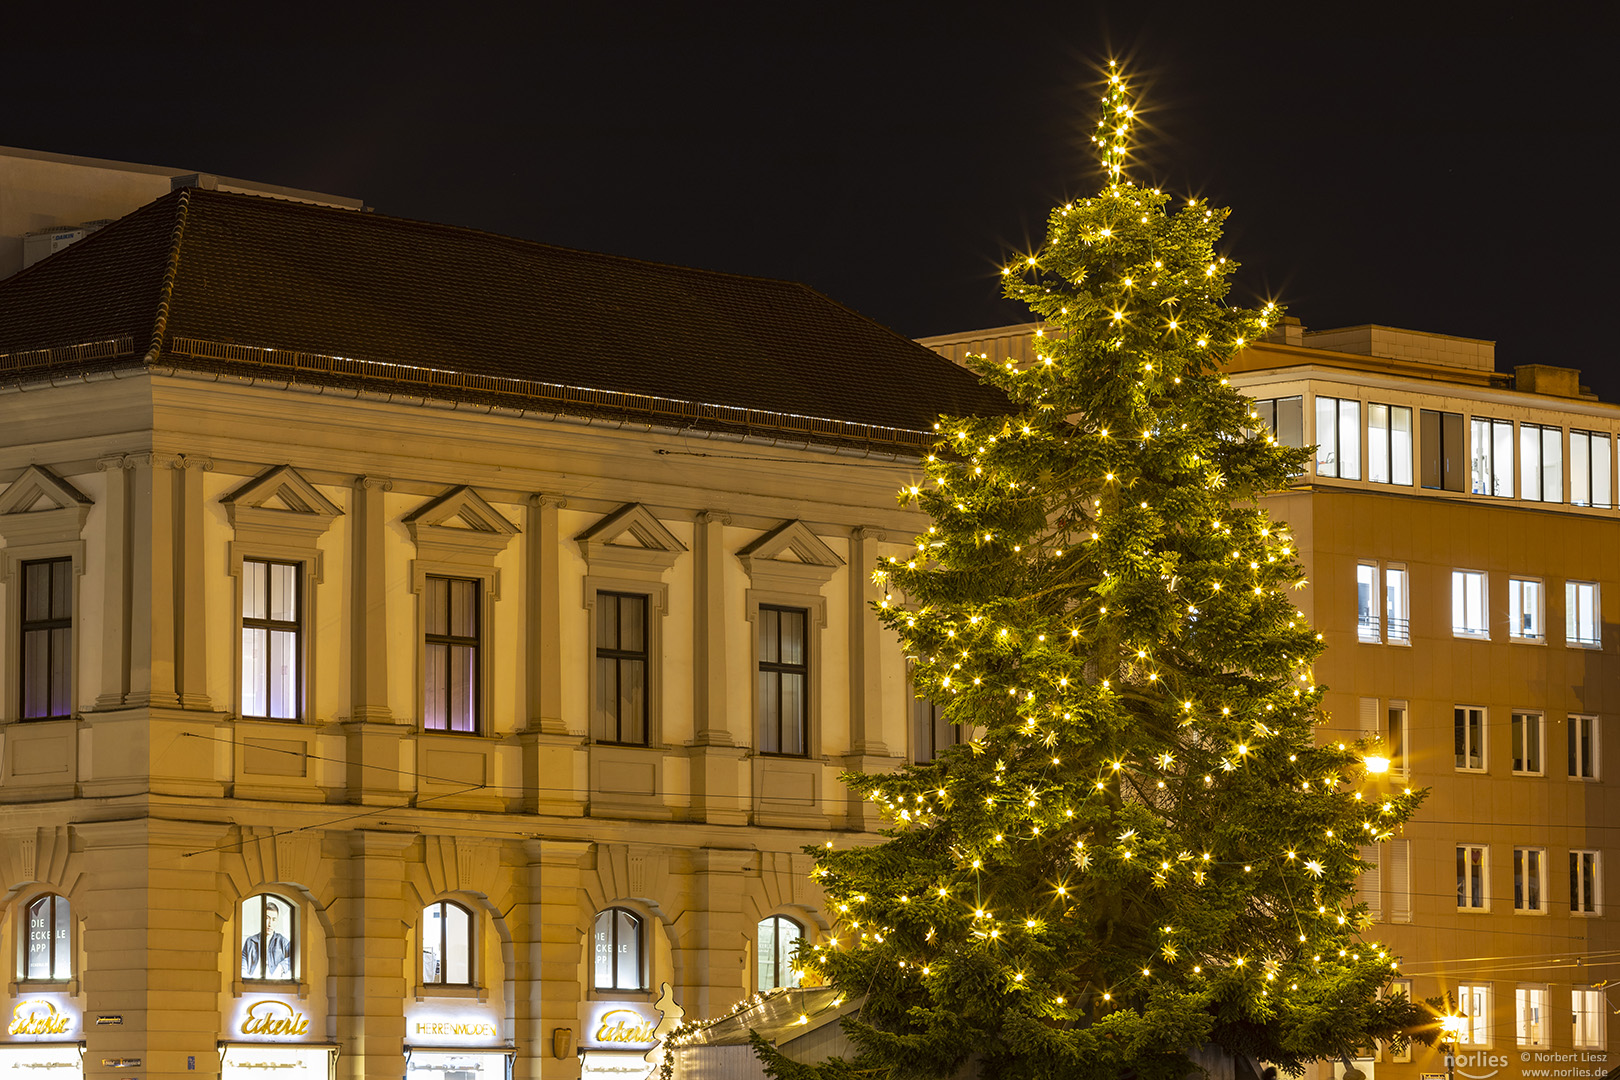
(1583, 747)
(1367, 621)
(1492, 456)
(1584, 883)
(1473, 893)
(1529, 879)
(1469, 613)
(1400, 881)
(1530, 1015)
(1397, 606)
(1474, 1004)
(47, 639)
(1582, 615)
(1368, 890)
(272, 632)
(619, 714)
(1338, 438)
(1528, 743)
(1525, 610)
(1389, 444)
(784, 681)
(1541, 463)
(450, 702)
(1444, 455)
(1589, 1009)
(1400, 1056)
(931, 732)
(1395, 735)
(1284, 418)
(1590, 469)
(1469, 737)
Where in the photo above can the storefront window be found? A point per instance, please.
(778, 937)
(269, 938)
(447, 950)
(47, 947)
(618, 951)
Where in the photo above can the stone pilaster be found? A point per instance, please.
(152, 581)
(549, 978)
(710, 722)
(865, 647)
(368, 956)
(115, 571)
(709, 937)
(543, 605)
(368, 645)
(191, 611)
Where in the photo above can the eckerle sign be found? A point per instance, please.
(268, 1018)
(37, 1016)
(621, 1025)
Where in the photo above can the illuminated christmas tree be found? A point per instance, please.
(1143, 849)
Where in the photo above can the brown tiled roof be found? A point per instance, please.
(221, 281)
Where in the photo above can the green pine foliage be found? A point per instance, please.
(1143, 849)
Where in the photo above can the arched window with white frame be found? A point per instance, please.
(269, 938)
(620, 951)
(447, 944)
(45, 945)
(778, 937)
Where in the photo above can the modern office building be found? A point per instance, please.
(421, 647)
(1460, 533)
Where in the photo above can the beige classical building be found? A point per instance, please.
(1460, 532)
(420, 646)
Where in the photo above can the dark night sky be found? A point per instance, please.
(1455, 176)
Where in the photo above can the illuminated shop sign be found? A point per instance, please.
(262, 1061)
(620, 1025)
(269, 1018)
(41, 1017)
(438, 1027)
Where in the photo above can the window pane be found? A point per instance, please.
(1552, 464)
(253, 589)
(1601, 479)
(432, 944)
(1454, 455)
(463, 687)
(1395, 604)
(1349, 439)
(793, 740)
(1400, 445)
(607, 621)
(61, 670)
(770, 622)
(603, 951)
(255, 671)
(283, 592)
(1580, 474)
(607, 699)
(633, 623)
(1327, 436)
(792, 637)
(438, 605)
(38, 965)
(767, 955)
(1395, 740)
(1291, 421)
(632, 702)
(435, 697)
(1480, 441)
(1367, 602)
(457, 930)
(1432, 450)
(464, 607)
(36, 591)
(1502, 455)
(253, 937)
(62, 962)
(1530, 461)
(1378, 443)
(283, 675)
(770, 714)
(628, 967)
(36, 661)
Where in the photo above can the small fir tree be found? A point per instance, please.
(1143, 849)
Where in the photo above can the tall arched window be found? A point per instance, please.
(45, 948)
(778, 937)
(447, 944)
(269, 938)
(620, 951)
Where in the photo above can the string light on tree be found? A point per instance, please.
(1144, 848)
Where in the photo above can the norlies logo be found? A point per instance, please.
(36, 1017)
(273, 1018)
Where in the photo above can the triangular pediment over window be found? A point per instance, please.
(40, 504)
(280, 501)
(793, 553)
(630, 538)
(460, 520)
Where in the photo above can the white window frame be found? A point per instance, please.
(1540, 479)
(1369, 619)
(1386, 464)
(1475, 744)
(1528, 1001)
(1527, 610)
(1529, 864)
(1397, 736)
(1468, 883)
(1487, 474)
(1530, 726)
(1592, 1004)
(1338, 456)
(1589, 485)
(1397, 604)
(1469, 620)
(1399, 865)
(1583, 763)
(1583, 598)
(1474, 1005)
(1580, 903)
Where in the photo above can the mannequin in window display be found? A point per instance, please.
(267, 955)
